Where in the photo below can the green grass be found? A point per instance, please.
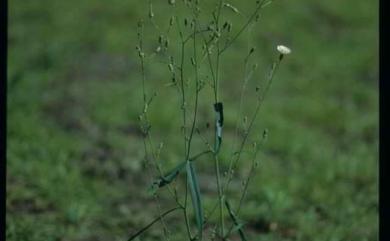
(74, 153)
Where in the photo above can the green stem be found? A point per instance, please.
(260, 100)
(243, 27)
(184, 207)
(220, 195)
(150, 224)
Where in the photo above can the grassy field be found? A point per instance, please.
(74, 151)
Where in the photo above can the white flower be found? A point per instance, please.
(283, 49)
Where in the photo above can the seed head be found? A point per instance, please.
(283, 49)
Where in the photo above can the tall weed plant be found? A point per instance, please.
(191, 44)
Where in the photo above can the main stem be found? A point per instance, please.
(217, 168)
(184, 207)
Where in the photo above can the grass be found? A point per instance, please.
(74, 169)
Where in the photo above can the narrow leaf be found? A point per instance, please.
(195, 197)
(168, 178)
(237, 224)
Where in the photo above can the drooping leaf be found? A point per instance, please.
(195, 197)
(237, 224)
(168, 178)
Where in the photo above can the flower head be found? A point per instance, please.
(283, 49)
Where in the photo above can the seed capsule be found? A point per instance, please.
(230, 27)
(151, 14)
(171, 20)
(265, 133)
(170, 67)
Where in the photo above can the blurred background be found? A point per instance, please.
(74, 149)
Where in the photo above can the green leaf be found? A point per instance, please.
(195, 197)
(238, 225)
(168, 178)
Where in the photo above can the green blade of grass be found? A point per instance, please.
(195, 197)
(238, 225)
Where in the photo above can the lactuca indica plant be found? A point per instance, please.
(203, 38)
